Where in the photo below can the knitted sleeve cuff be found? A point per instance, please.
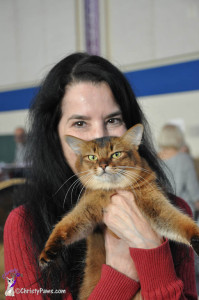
(155, 268)
(114, 285)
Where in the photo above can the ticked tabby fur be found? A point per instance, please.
(105, 165)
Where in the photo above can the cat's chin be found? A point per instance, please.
(107, 182)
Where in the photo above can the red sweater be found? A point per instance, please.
(155, 267)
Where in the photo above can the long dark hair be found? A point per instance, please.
(45, 199)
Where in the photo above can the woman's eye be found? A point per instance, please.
(115, 121)
(79, 124)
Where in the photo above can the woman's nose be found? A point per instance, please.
(99, 131)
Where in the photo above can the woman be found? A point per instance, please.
(88, 97)
(180, 168)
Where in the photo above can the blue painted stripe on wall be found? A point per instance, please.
(17, 99)
(174, 78)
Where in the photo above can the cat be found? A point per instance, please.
(10, 288)
(105, 165)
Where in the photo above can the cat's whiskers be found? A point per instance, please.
(124, 175)
(67, 181)
(133, 176)
(84, 186)
(76, 185)
(77, 181)
(135, 168)
(125, 169)
(122, 171)
(130, 174)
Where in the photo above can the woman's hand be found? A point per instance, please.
(118, 256)
(123, 217)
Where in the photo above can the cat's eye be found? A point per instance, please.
(92, 157)
(116, 155)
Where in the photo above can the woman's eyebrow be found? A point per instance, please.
(114, 114)
(78, 117)
(81, 117)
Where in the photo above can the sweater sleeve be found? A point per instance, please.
(168, 281)
(114, 285)
(19, 255)
(158, 277)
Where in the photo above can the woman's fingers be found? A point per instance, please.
(118, 256)
(124, 218)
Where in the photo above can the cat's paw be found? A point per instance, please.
(195, 244)
(46, 257)
(50, 253)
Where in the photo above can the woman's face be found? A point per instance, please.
(89, 111)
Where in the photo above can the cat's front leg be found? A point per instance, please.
(76, 225)
(167, 220)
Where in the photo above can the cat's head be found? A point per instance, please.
(108, 162)
(10, 280)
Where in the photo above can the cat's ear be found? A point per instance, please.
(133, 136)
(74, 143)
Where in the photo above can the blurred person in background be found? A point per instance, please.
(180, 170)
(179, 166)
(20, 140)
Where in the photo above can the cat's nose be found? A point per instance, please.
(103, 166)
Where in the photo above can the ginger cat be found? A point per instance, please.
(104, 165)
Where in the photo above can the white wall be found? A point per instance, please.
(184, 106)
(34, 35)
(10, 120)
(146, 30)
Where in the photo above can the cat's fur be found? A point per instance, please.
(101, 177)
